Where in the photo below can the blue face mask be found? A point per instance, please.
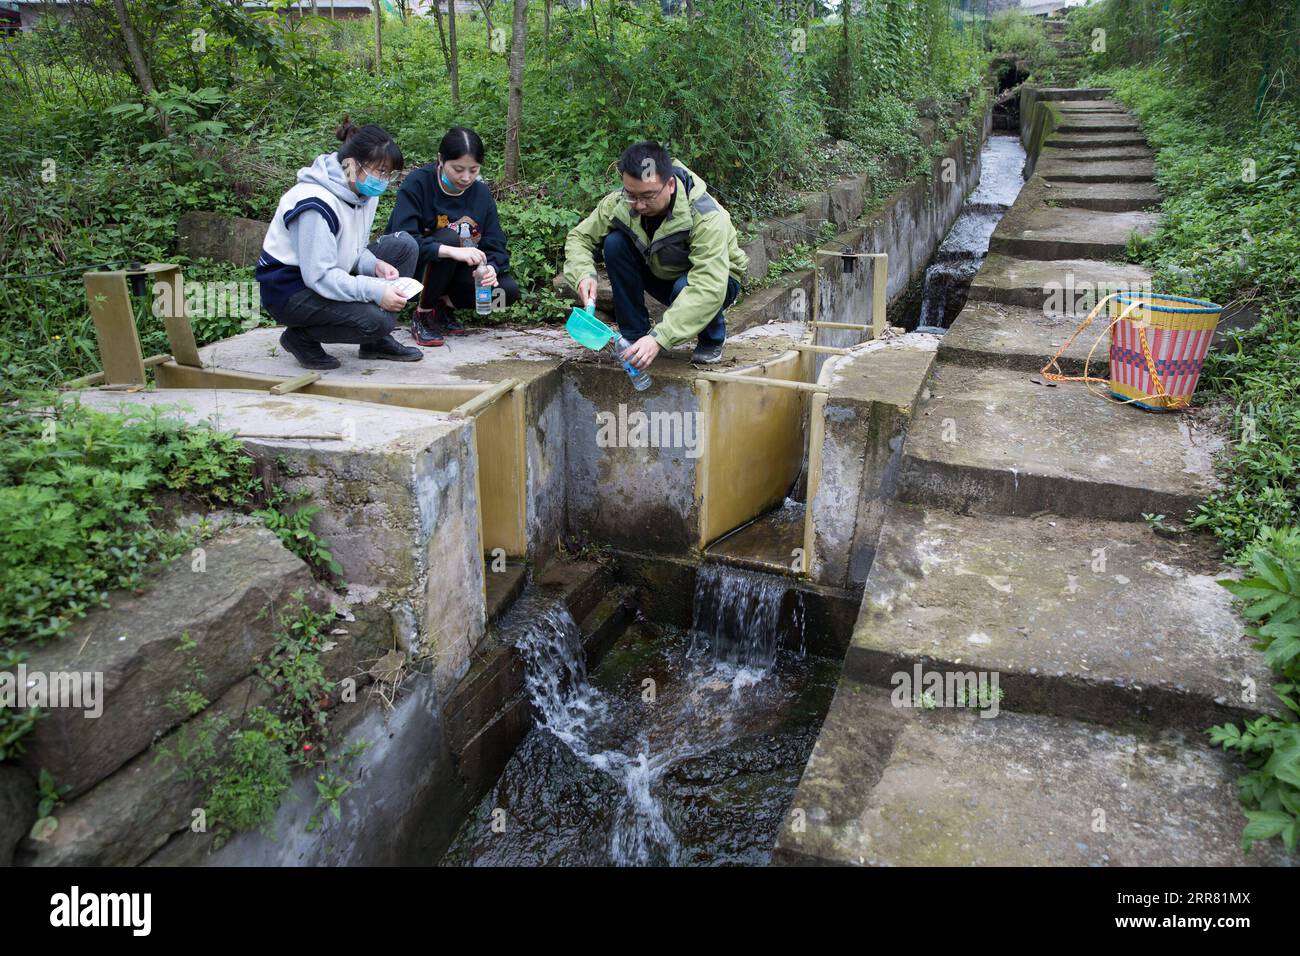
(449, 185)
(372, 186)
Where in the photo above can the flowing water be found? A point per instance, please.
(962, 251)
(680, 748)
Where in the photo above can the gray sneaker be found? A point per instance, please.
(706, 354)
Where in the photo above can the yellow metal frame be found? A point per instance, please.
(734, 453)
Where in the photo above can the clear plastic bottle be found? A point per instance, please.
(640, 379)
(482, 292)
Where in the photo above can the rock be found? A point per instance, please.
(756, 249)
(781, 233)
(389, 667)
(128, 816)
(17, 809)
(209, 235)
(846, 199)
(229, 613)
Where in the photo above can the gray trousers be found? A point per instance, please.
(331, 321)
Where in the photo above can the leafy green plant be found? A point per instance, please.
(78, 499)
(1231, 185)
(247, 767)
(1270, 745)
(293, 527)
(49, 798)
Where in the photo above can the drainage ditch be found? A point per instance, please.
(948, 276)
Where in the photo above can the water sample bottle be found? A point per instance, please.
(640, 379)
(482, 292)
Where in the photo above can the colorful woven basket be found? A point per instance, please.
(1157, 348)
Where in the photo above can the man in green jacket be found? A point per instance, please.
(664, 234)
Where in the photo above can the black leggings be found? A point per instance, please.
(455, 279)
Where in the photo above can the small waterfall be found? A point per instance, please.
(555, 674)
(737, 615)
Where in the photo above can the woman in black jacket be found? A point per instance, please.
(452, 214)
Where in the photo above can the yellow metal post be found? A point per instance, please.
(119, 342)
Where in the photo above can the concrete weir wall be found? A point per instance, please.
(874, 392)
(397, 494)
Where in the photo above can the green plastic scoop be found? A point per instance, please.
(585, 329)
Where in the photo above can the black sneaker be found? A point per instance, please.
(425, 328)
(389, 349)
(450, 324)
(707, 354)
(307, 351)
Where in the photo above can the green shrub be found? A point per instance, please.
(1270, 792)
(78, 509)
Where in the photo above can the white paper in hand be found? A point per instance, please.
(408, 286)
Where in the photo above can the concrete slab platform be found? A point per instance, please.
(398, 494)
(1095, 620)
(992, 335)
(331, 425)
(991, 442)
(483, 357)
(1093, 140)
(1104, 197)
(1054, 286)
(1061, 232)
(1128, 171)
(893, 786)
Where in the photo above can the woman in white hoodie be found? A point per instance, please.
(318, 275)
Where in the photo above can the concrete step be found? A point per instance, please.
(911, 787)
(1095, 620)
(1088, 93)
(1055, 286)
(1105, 197)
(1125, 171)
(1059, 140)
(1051, 232)
(1097, 154)
(1091, 106)
(1096, 123)
(992, 442)
(992, 335)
